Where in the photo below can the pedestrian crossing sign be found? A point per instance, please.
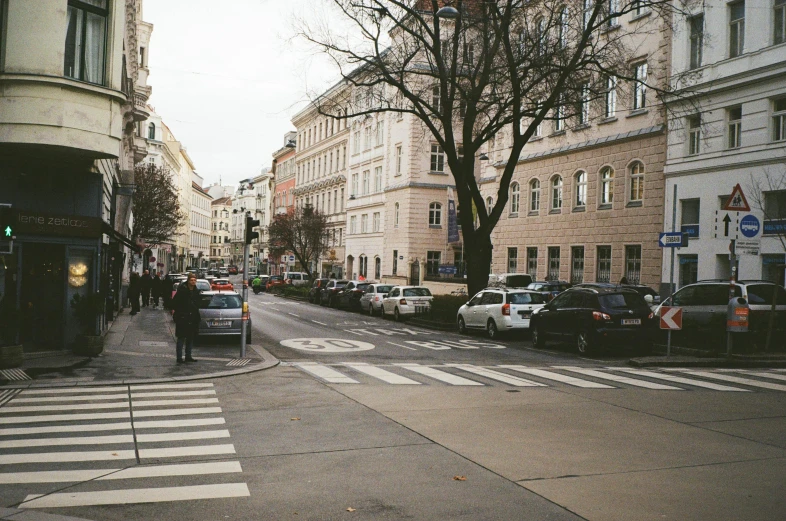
(737, 201)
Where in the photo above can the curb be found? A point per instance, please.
(12, 514)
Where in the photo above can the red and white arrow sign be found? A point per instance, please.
(670, 318)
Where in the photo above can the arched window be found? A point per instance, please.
(581, 189)
(514, 198)
(395, 216)
(556, 192)
(377, 268)
(636, 181)
(489, 205)
(534, 195)
(562, 35)
(435, 214)
(606, 185)
(151, 131)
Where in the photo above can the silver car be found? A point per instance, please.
(221, 314)
(371, 300)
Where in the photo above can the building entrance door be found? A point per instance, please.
(42, 292)
(414, 273)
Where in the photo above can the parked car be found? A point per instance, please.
(642, 289)
(223, 272)
(201, 284)
(221, 314)
(593, 318)
(549, 289)
(296, 278)
(704, 305)
(221, 285)
(371, 300)
(510, 280)
(407, 301)
(328, 295)
(274, 281)
(232, 270)
(314, 294)
(498, 310)
(349, 296)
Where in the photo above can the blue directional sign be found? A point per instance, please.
(670, 240)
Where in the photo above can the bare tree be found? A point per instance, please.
(300, 231)
(485, 72)
(156, 207)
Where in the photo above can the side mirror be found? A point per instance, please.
(648, 299)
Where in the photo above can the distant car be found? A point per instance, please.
(296, 278)
(274, 281)
(232, 270)
(371, 300)
(316, 289)
(349, 297)
(327, 296)
(498, 310)
(221, 285)
(549, 289)
(221, 314)
(594, 318)
(407, 301)
(223, 272)
(203, 285)
(510, 280)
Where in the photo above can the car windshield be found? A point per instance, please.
(763, 293)
(362, 286)
(384, 289)
(527, 298)
(623, 301)
(417, 292)
(203, 285)
(220, 302)
(518, 281)
(275, 277)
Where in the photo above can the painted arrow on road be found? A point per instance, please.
(670, 318)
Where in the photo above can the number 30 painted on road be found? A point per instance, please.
(327, 345)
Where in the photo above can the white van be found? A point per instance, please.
(296, 278)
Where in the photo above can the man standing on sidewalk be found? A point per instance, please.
(186, 306)
(155, 288)
(133, 292)
(145, 284)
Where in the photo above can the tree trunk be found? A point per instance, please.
(478, 264)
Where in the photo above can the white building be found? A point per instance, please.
(200, 224)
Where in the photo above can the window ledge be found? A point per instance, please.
(637, 112)
(557, 133)
(535, 138)
(555, 211)
(640, 16)
(513, 215)
(633, 204)
(605, 121)
(606, 206)
(610, 28)
(579, 209)
(582, 126)
(434, 172)
(533, 213)
(435, 226)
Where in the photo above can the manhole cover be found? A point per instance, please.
(146, 343)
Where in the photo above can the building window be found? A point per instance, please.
(603, 264)
(395, 261)
(774, 213)
(633, 264)
(610, 98)
(489, 205)
(636, 193)
(689, 216)
(639, 8)
(577, 265)
(534, 196)
(435, 214)
(375, 224)
(606, 186)
(356, 142)
(553, 273)
(584, 105)
(559, 116)
(364, 223)
(563, 28)
(366, 181)
(399, 158)
(378, 179)
(696, 24)
(433, 259)
(694, 134)
(779, 17)
(736, 28)
(779, 120)
(640, 86)
(395, 215)
(380, 132)
(377, 268)
(734, 127)
(556, 193)
(85, 43)
(363, 266)
(436, 100)
(367, 138)
(354, 184)
(513, 260)
(515, 195)
(353, 223)
(581, 190)
(437, 158)
(151, 131)
(532, 262)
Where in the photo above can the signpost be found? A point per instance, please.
(670, 240)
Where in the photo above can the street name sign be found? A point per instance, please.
(670, 318)
(670, 239)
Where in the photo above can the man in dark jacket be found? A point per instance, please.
(186, 305)
(155, 289)
(145, 284)
(133, 293)
(166, 291)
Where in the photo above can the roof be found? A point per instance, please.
(222, 200)
(199, 189)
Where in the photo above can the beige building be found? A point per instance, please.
(220, 250)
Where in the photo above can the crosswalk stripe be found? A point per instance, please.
(167, 424)
(326, 373)
(7, 394)
(147, 387)
(617, 378)
(110, 455)
(94, 427)
(158, 403)
(678, 379)
(209, 392)
(195, 450)
(179, 412)
(139, 495)
(734, 379)
(74, 390)
(570, 380)
(50, 399)
(385, 376)
(10, 420)
(442, 376)
(65, 407)
(764, 374)
(495, 375)
(182, 436)
(142, 471)
(109, 440)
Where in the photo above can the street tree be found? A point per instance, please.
(482, 75)
(300, 231)
(156, 206)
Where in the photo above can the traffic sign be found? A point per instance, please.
(737, 201)
(750, 226)
(727, 225)
(670, 318)
(670, 239)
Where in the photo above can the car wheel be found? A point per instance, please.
(462, 326)
(537, 337)
(371, 310)
(491, 329)
(583, 342)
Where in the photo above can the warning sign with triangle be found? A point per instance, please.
(737, 201)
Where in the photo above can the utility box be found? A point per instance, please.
(737, 315)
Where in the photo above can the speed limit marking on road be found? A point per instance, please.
(327, 345)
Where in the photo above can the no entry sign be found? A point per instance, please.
(670, 318)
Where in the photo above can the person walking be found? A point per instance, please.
(166, 291)
(145, 283)
(155, 289)
(186, 305)
(133, 292)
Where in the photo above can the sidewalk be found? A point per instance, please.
(137, 349)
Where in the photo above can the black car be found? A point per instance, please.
(314, 294)
(593, 318)
(549, 288)
(642, 289)
(349, 297)
(328, 295)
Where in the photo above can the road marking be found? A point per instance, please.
(326, 373)
(327, 345)
(442, 376)
(678, 379)
(65, 407)
(762, 374)
(182, 436)
(10, 420)
(496, 375)
(196, 450)
(385, 376)
(405, 347)
(179, 412)
(158, 403)
(318, 322)
(75, 390)
(210, 392)
(166, 424)
(142, 471)
(298, 316)
(49, 399)
(79, 440)
(148, 387)
(139, 495)
(617, 378)
(362, 332)
(733, 379)
(570, 380)
(154, 424)
(61, 457)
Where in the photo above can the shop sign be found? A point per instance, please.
(40, 223)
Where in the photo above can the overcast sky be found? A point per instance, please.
(228, 76)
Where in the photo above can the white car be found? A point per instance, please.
(371, 300)
(407, 301)
(498, 309)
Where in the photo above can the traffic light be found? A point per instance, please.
(6, 223)
(250, 233)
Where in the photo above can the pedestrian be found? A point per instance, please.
(144, 285)
(133, 292)
(155, 289)
(623, 280)
(186, 305)
(166, 291)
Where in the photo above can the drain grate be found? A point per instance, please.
(14, 374)
(6, 395)
(239, 362)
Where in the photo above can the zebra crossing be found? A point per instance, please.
(469, 375)
(113, 445)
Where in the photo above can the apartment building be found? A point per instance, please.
(220, 249)
(199, 225)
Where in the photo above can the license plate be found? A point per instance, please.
(219, 323)
(631, 321)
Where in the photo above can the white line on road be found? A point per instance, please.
(180, 412)
(405, 347)
(157, 403)
(733, 379)
(49, 399)
(143, 471)
(298, 316)
(11, 420)
(617, 378)
(169, 424)
(139, 495)
(677, 379)
(149, 387)
(326, 373)
(761, 374)
(209, 392)
(496, 375)
(65, 407)
(196, 450)
(78, 440)
(60, 457)
(318, 322)
(75, 390)
(150, 424)
(182, 436)
(442, 376)
(548, 375)
(385, 376)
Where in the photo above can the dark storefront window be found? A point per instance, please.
(603, 264)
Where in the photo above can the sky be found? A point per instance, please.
(227, 77)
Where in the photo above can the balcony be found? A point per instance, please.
(141, 95)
